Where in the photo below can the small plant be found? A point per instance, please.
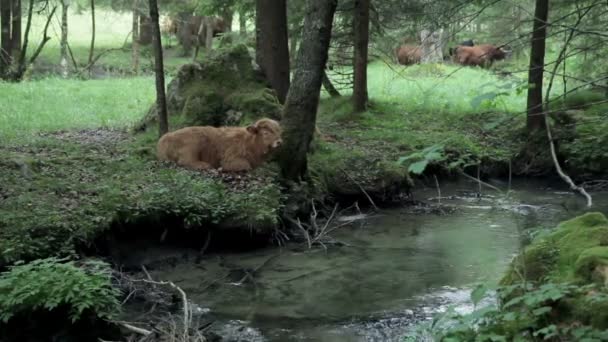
(422, 158)
(48, 284)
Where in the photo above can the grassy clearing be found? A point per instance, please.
(113, 31)
(55, 104)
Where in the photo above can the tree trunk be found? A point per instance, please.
(242, 22)
(64, 38)
(535, 118)
(161, 101)
(135, 39)
(145, 30)
(92, 48)
(272, 50)
(300, 113)
(333, 92)
(228, 17)
(361, 31)
(5, 35)
(16, 30)
(184, 32)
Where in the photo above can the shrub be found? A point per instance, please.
(49, 284)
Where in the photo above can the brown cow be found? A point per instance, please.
(195, 31)
(228, 148)
(480, 55)
(408, 54)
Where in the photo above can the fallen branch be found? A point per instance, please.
(140, 331)
(480, 182)
(369, 198)
(187, 316)
(559, 170)
(438, 190)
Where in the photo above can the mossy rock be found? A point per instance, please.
(347, 174)
(572, 252)
(225, 89)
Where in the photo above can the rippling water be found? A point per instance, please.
(396, 269)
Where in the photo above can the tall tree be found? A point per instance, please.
(5, 35)
(64, 38)
(92, 48)
(161, 101)
(300, 112)
(535, 118)
(361, 30)
(16, 30)
(135, 38)
(272, 50)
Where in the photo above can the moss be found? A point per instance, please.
(225, 81)
(588, 262)
(345, 172)
(569, 253)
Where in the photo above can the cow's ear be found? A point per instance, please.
(253, 129)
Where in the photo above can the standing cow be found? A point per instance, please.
(480, 55)
(467, 42)
(408, 54)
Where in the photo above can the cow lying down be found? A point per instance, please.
(227, 148)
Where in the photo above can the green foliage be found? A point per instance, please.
(422, 158)
(49, 284)
(523, 313)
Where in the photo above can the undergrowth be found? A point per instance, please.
(50, 284)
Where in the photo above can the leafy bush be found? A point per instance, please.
(524, 312)
(48, 284)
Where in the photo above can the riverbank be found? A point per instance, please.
(96, 189)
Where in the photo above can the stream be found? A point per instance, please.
(392, 270)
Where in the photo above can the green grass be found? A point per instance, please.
(113, 30)
(56, 104)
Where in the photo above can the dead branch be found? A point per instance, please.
(480, 182)
(369, 198)
(438, 189)
(45, 37)
(559, 170)
(132, 328)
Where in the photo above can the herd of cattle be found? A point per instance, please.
(466, 53)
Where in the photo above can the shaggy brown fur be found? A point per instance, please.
(229, 148)
(408, 54)
(480, 55)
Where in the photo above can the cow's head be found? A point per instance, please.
(503, 51)
(267, 132)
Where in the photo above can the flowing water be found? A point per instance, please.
(390, 272)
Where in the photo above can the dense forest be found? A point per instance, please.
(303, 170)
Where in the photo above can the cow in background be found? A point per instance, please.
(199, 31)
(408, 54)
(479, 55)
(467, 42)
